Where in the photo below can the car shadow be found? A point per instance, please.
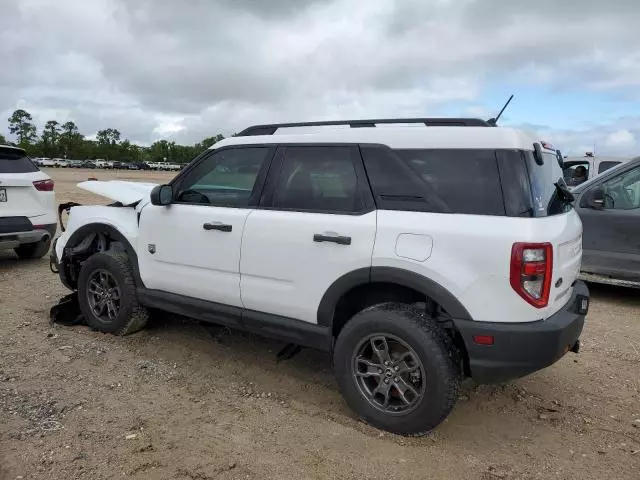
(620, 295)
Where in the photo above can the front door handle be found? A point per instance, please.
(339, 239)
(222, 227)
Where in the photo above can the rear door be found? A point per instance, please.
(612, 234)
(316, 223)
(18, 196)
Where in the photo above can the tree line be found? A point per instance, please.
(65, 141)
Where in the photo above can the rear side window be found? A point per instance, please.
(604, 166)
(15, 161)
(543, 179)
(467, 181)
(321, 179)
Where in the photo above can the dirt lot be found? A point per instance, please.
(176, 402)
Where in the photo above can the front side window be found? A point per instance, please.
(319, 179)
(576, 173)
(622, 192)
(226, 178)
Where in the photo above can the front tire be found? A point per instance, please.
(107, 294)
(394, 369)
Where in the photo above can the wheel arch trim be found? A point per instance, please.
(415, 281)
(79, 234)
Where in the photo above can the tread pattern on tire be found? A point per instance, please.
(139, 315)
(440, 355)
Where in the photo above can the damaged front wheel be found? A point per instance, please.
(107, 294)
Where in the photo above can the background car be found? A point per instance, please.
(27, 205)
(609, 206)
(591, 165)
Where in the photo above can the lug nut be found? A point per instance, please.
(379, 370)
(386, 380)
(396, 368)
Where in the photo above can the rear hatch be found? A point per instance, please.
(559, 225)
(18, 195)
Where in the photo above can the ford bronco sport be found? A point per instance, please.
(417, 254)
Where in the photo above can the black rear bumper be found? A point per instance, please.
(522, 348)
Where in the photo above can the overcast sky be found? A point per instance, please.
(186, 70)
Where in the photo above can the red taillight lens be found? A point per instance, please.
(43, 185)
(531, 270)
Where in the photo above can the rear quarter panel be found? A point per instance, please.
(470, 256)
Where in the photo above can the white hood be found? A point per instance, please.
(118, 190)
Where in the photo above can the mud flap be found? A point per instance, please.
(67, 311)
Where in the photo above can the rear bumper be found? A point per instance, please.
(16, 231)
(522, 348)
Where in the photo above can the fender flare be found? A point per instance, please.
(77, 236)
(404, 278)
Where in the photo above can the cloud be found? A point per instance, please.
(153, 69)
(621, 139)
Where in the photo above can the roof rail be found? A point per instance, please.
(270, 129)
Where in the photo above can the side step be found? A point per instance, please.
(595, 278)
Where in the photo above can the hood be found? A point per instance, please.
(126, 193)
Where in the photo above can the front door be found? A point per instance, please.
(192, 246)
(316, 224)
(611, 238)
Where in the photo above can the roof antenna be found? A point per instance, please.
(494, 121)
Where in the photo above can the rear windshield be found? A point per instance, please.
(464, 181)
(15, 161)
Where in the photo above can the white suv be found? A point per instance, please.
(27, 205)
(416, 254)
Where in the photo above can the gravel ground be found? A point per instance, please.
(180, 401)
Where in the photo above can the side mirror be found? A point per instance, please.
(596, 199)
(162, 195)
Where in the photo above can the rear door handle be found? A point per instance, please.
(222, 227)
(339, 239)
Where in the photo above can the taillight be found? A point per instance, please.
(531, 270)
(44, 185)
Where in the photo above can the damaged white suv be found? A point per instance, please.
(416, 254)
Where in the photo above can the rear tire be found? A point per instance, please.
(413, 391)
(28, 251)
(107, 294)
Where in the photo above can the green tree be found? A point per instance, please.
(3, 141)
(50, 138)
(71, 141)
(21, 125)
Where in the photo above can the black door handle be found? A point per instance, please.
(222, 227)
(340, 240)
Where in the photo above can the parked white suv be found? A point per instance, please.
(27, 205)
(415, 255)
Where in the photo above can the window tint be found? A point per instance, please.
(14, 161)
(515, 183)
(543, 180)
(622, 192)
(226, 178)
(395, 185)
(318, 178)
(604, 166)
(467, 181)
